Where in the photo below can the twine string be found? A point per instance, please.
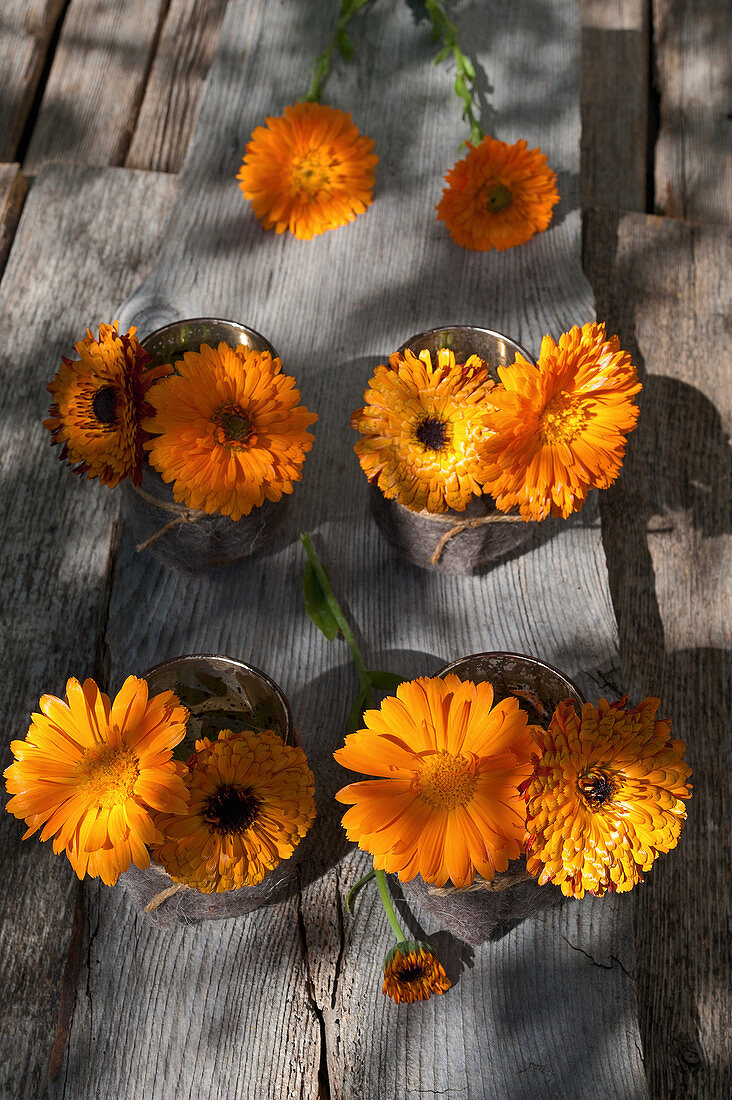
(465, 525)
(182, 514)
(168, 892)
(153, 904)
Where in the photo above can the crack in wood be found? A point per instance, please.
(603, 966)
(324, 1091)
(69, 985)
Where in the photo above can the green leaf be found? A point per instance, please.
(442, 55)
(353, 721)
(356, 889)
(385, 681)
(316, 603)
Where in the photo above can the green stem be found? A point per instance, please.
(447, 32)
(322, 64)
(388, 906)
(337, 613)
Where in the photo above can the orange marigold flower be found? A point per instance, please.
(99, 402)
(498, 196)
(604, 797)
(561, 426)
(422, 427)
(412, 972)
(252, 800)
(308, 171)
(230, 432)
(89, 773)
(448, 804)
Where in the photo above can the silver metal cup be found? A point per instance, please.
(211, 540)
(417, 536)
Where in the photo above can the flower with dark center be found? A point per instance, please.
(231, 809)
(432, 433)
(422, 425)
(606, 796)
(251, 802)
(99, 402)
(104, 403)
(596, 787)
(412, 972)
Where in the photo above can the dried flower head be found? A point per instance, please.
(498, 196)
(228, 431)
(446, 804)
(561, 426)
(251, 802)
(605, 797)
(412, 972)
(308, 171)
(422, 427)
(99, 403)
(89, 773)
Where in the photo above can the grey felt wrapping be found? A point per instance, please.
(479, 915)
(189, 906)
(416, 535)
(210, 541)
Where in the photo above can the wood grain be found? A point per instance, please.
(96, 83)
(13, 189)
(694, 148)
(26, 30)
(58, 535)
(174, 88)
(663, 288)
(550, 1009)
(615, 78)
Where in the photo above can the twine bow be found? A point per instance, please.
(466, 525)
(181, 512)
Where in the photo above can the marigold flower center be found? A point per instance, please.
(432, 433)
(409, 971)
(109, 774)
(231, 810)
(596, 787)
(233, 427)
(446, 781)
(104, 404)
(562, 420)
(497, 197)
(310, 173)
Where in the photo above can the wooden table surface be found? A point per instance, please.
(101, 101)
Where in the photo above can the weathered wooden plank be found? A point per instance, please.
(694, 148)
(26, 30)
(550, 1010)
(96, 83)
(58, 539)
(615, 93)
(13, 188)
(663, 286)
(174, 88)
